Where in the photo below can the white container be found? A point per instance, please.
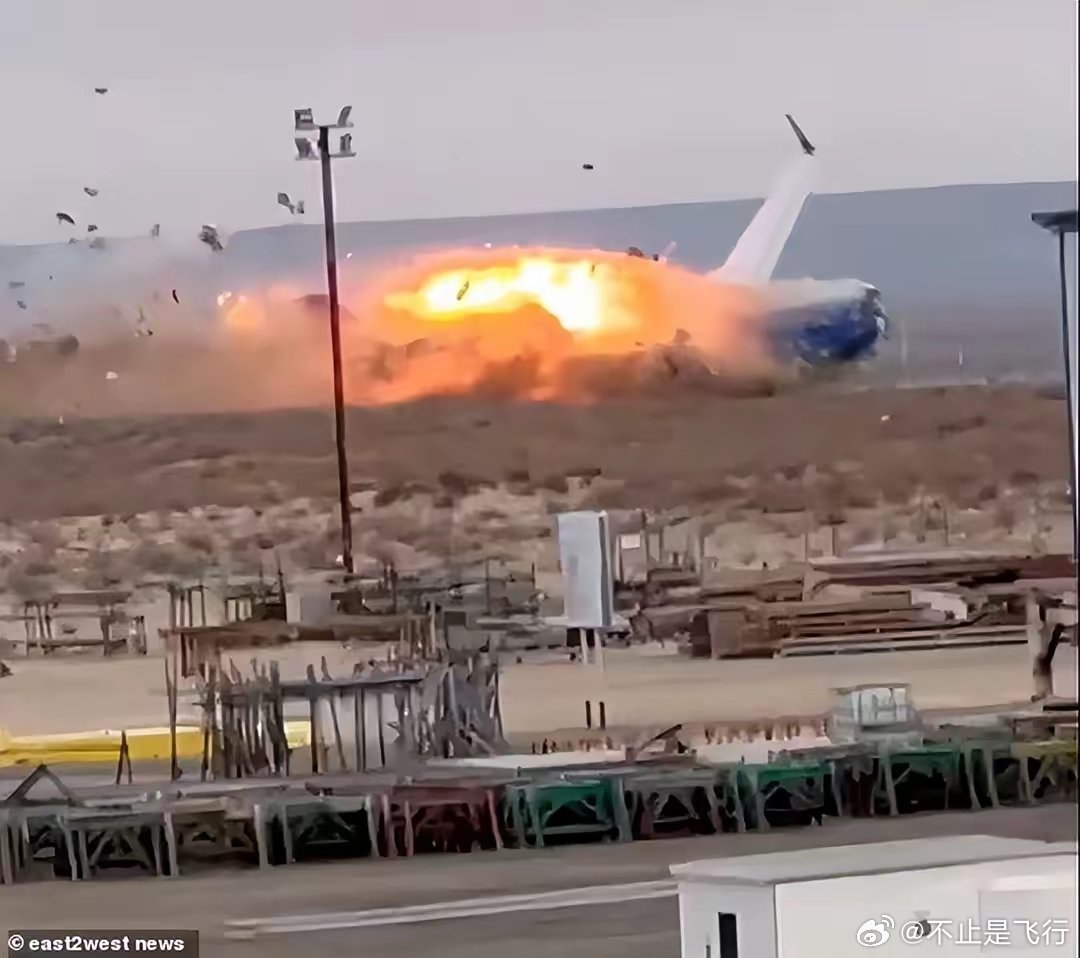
(867, 712)
(851, 901)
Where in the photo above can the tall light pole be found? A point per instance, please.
(306, 127)
(1063, 224)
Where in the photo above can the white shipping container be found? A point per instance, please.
(876, 898)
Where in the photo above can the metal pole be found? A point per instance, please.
(1069, 374)
(335, 346)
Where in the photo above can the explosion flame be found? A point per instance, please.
(546, 323)
(569, 325)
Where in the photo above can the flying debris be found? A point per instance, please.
(44, 343)
(110, 375)
(297, 208)
(461, 292)
(90, 191)
(20, 304)
(64, 218)
(16, 283)
(155, 230)
(587, 166)
(656, 257)
(176, 298)
(211, 237)
(91, 228)
(101, 90)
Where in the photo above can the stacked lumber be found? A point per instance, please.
(963, 569)
(873, 613)
(913, 640)
(682, 587)
(883, 623)
(733, 630)
(871, 603)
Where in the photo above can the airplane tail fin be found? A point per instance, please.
(758, 250)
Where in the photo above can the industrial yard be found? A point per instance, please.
(648, 691)
(497, 535)
(855, 629)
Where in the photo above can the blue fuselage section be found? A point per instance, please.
(827, 333)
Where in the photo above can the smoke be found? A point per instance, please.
(571, 325)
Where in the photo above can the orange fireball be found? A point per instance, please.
(534, 323)
(604, 300)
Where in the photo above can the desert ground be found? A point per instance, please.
(119, 501)
(436, 476)
(642, 687)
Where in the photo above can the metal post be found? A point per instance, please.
(335, 346)
(1069, 374)
(487, 586)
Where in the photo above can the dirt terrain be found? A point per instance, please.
(93, 502)
(963, 443)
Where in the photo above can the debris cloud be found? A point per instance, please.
(568, 325)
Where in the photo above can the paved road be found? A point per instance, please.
(639, 928)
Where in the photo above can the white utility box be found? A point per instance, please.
(875, 713)
(585, 555)
(881, 898)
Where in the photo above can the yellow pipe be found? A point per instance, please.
(144, 744)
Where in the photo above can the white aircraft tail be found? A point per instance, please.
(758, 250)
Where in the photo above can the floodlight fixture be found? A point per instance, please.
(304, 149)
(304, 120)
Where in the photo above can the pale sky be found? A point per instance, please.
(470, 107)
